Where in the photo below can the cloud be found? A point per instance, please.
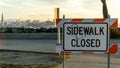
(3, 4)
(18, 4)
(78, 7)
(52, 2)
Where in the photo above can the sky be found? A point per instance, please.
(44, 9)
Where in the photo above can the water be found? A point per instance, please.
(35, 45)
(112, 41)
(29, 45)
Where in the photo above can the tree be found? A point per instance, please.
(105, 10)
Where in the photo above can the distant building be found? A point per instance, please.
(2, 20)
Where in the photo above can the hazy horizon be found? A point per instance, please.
(44, 9)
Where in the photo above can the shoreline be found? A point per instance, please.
(32, 36)
(7, 50)
(28, 36)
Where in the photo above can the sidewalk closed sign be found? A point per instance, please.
(85, 36)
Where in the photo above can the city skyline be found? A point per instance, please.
(44, 9)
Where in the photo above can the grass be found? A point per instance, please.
(30, 60)
(57, 59)
(5, 65)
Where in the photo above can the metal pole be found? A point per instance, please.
(108, 61)
(56, 15)
(63, 60)
(108, 56)
(108, 66)
(63, 52)
(59, 35)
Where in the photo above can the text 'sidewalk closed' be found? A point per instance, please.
(86, 36)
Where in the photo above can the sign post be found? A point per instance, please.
(56, 15)
(85, 36)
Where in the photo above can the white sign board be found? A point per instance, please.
(85, 36)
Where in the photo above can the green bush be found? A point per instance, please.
(114, 33)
